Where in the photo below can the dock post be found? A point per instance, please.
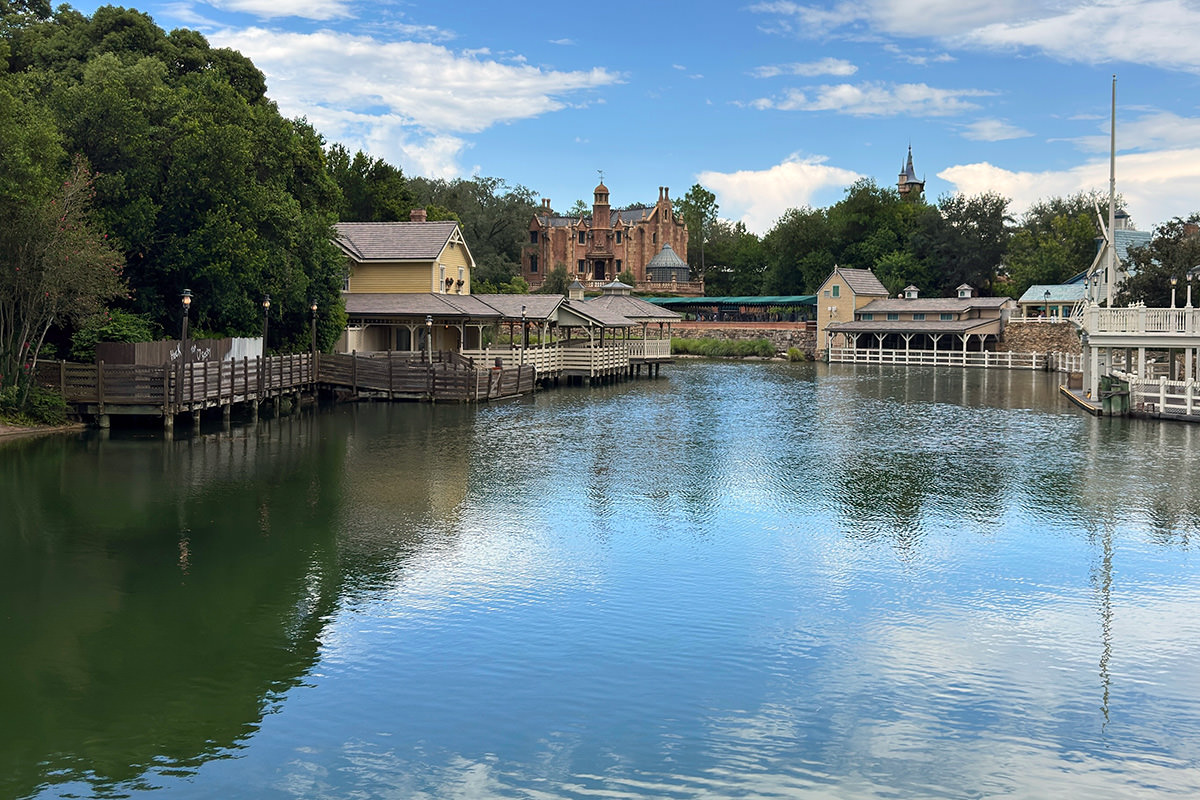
(226, 414)
(103, 421)
(254, 410)
(168, 423)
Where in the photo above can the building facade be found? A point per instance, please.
(596, 249)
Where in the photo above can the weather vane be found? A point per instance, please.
(600, 172)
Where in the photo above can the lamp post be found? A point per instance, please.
(1174, 280)
(429, 337)
(524, 336)
(186, 300)
(313, 325)
(1046, 303)
(1191, 274)
(266, 304)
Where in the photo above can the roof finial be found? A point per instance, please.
(600, 172)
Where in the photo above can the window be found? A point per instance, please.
(946, 317)
(582, 269)
(893, 316)
(533, 238)
(654, 238)
(346, 281)
(918, 317)
(533, 263)
(442, 280)
(618, 266)
(836, 289)
(582, 237)
(867, 317)
(826, 293)
(618, 237)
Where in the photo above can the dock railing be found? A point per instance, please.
(1159, 395)
(1139, 319)
(950, 358)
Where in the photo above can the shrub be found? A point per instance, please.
(42, 406)
(720, 348)
(796, 354)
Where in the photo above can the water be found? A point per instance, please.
(740, 581)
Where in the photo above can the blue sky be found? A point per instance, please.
(771, 105)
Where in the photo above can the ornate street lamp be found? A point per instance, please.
(186, 300)
(524, 336)
(266, 304)
(1174, 280)
(1192, 273)
(1046, 305)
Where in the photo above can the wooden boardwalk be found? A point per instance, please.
(100, 390)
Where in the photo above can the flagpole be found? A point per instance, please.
(1111, 269)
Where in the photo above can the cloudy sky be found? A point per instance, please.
(771, 105)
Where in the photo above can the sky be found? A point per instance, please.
(770, 105)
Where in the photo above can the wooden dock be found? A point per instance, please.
(102, 390)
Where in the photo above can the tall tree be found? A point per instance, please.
(1173, 252)
(372, 189)
(1054, 239)
(699, 209)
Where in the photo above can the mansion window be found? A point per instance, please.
(618, 266)
(582, 268)
(533, 239)
(618, 237)
(582, 237)
(533, 263)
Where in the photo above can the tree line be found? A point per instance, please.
(136, 163)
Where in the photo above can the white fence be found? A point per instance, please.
(948, 358)
(575, 357)
(1162, 396)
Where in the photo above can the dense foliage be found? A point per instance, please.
(199, 181)
(1173, 252)
(722, 348)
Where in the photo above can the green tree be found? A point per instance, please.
(964, 242)
(799, 252)
(1054, 240)
(737, 261)
(55, 268)
(557, 281)
(699, 209)
(1174, 250)
(372, 190)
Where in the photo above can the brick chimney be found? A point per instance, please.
(417, 215)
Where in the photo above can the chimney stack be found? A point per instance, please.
(417, 215)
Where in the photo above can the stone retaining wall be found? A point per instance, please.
(804, 340)
(1040, 337)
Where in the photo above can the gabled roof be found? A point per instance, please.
(860, 281)
(1059, 293)
(395, 241)
(419, 304)
(932, 304)
(633, 308)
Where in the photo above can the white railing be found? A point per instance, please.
(949, 358)
(596, 360)
(1163, 396)
(646, 349)
(1053, 318)
(1171, 321)
(543, 359)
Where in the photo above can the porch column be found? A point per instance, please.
(879, 341)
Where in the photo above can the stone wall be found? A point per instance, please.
(782, 338)
(1040, 337)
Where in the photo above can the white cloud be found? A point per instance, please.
(1156, 186)
(993, 130)
(563, 42)
(877, 100)
(1156, 32)
(918, 57)
(411, 99)
(759, 197)
(306, 9)
(826, 66)
(1155, 131)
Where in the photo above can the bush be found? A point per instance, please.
(721, 348)
(109, 326)
(796, 354)
(42, 406)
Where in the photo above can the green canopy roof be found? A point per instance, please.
(749, 300)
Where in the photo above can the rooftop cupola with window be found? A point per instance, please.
(575, 291)
(911, 292)
(966, 292)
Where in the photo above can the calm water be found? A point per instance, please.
(739, 581)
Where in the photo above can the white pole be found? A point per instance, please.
(1111, 271)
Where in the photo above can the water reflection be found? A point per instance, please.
(745, 580)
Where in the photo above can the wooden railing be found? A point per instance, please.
(649, 349)
(198, 385)
(1159, 395)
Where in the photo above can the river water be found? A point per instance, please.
(736, 581)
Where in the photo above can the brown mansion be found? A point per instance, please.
(648, 241)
